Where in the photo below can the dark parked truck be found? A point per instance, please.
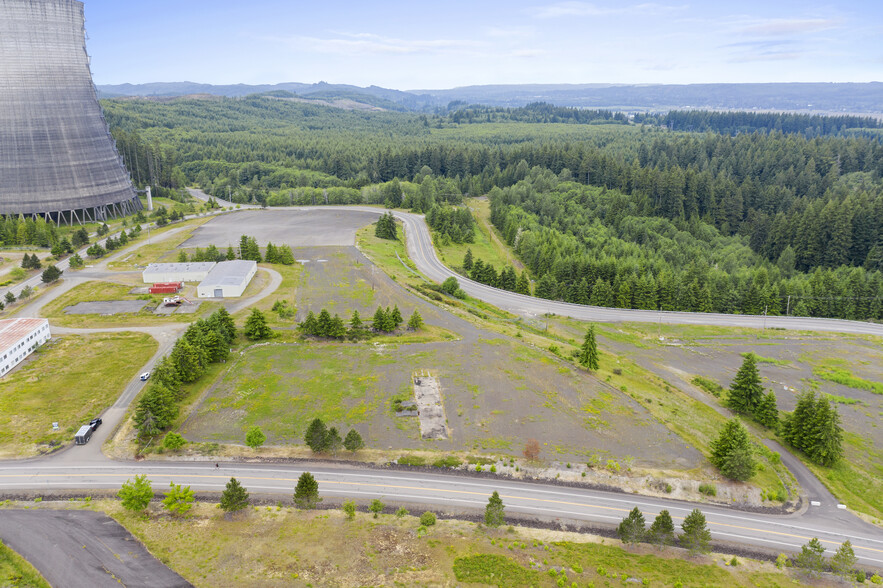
(83, 435)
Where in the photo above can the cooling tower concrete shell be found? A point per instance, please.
(57, 156)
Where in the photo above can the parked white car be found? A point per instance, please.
(144, 376)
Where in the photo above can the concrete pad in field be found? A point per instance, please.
(106, 307)
(296, 228)
(427, 393)
(83, 548)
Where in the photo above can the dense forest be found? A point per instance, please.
(752, 211)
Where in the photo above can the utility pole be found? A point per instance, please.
(788, 308)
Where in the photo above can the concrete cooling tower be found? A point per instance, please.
(57, 156)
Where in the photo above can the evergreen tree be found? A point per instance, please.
(234, 497)
(811, 558)
(75, 261)
(231, 255)
(256, 326)
(51, 274)
(336, 328)
(316, 436)
(386, 227)
(182, 256)
(826, 434)
(306, 493)
(696, 537)
(662, 531)
(746, 391)
(271, 255)
(731, 452)
(843, 562)
(353, 441)
(589, 351)
(323, 323)
(333, 441)
(356, 328)
(415, 322)
(396, 316)
(493, 512)
(632, 528)
(285, 255)
(547, 287)
(310, 326)
(523, 285)
(380, 321)
(467, 260)
(767, 413)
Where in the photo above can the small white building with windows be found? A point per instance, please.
(193, 271)
(228, 279)
(19, 338)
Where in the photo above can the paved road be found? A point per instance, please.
(447, 492)
(80, 549)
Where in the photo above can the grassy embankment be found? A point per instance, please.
(488, 245)
(69, 380)
(16, 571)
(279, 546)
(693, 421)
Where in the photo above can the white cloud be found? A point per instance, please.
(575, 8)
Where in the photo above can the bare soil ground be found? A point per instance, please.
(498, 392)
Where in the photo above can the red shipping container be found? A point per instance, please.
(165, 288)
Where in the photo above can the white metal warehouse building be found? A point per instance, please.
(228, 279)
(177, 272)
(19, 338)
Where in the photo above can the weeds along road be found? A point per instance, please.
(456, 494)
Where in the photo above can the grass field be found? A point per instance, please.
(69, 380)
(278, 546)
(103, 291)
(16, 571)
(487, 246)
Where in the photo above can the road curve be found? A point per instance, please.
(453, 492)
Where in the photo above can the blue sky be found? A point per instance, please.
(411, 45)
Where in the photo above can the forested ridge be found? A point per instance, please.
(744, 219)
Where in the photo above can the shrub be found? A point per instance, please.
(427, 519)
(708, 489)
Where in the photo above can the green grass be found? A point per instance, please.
(709, 386)
(488, 245)
(857, 477)
(771, 360)
(321, 548)
(830, 371)
(103, 291)
(155, 250)
(69, 380)
(16, 571)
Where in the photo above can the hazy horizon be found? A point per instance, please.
(409, 46)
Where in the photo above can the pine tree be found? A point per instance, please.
(811, 558)
(589, 351)
(662, 531)
(356, 328)
(231, 255)
(493, 512)
(843, 562)
(316, 436)
(632, 528)
(396, 316)
(271, 255)
(380, 320)
(256, 326)
(746, 391)
(731, 452)
(310, 325)
(826, 434)
(467, 260)
(415, 322)
(306, 493)
(336, 328)
(696, 537)
(523, 285)
(234, 497)
(547, 287)
(333, 440)
(323, 324)
(353, 441)
(767, 413)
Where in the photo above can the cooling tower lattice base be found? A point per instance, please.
(57, 156)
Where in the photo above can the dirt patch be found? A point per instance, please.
(430, 409)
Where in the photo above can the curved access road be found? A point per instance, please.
(458, 493)
(422, 253)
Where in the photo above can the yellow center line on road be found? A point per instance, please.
(461, 492)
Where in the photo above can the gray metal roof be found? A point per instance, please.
(190, 266)
(229, 273)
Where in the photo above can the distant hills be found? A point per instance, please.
(802, 97)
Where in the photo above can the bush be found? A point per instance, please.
(411, 460)
(708, 489)
(447, 462)
(427, 519)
